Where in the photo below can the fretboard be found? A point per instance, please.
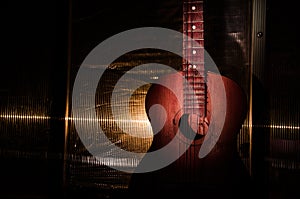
(193, 27)
(194, 71)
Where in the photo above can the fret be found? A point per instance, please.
(199, 95)
(200, 98)
(192, 80)
(193, 47)
(186, 63)
(194, 31)
(197, 85)
(192, 12)
(194, 103)
(195, 97)
(194, 59)
(195, 39)
(195, 93)
(187, 43)
(193, 17)
(194, 100)
(192, 2)
(193, 35)
(190, 22)
(191, 59)
(197, 77)
(192, 97)
(194, 66)
(196, 80)
(192, 107)
(198, 40)
(196, 73)
(190, 65)
(194, 69)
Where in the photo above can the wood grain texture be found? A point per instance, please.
(221, 168)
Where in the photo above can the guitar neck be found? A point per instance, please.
(193, 27)
(194, 71)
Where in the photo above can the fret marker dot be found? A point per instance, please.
(194, 52)
(193, 7)
(193, 27)
(194, 66)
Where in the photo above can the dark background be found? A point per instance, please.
(38, 52)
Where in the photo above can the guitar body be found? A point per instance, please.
(188, 119)
(221, 169)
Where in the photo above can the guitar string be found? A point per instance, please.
(191, 71)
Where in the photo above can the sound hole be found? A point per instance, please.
(193, 126)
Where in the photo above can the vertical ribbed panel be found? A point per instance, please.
(256, 76)
(258, 38)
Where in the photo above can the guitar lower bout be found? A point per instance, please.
(193, 123)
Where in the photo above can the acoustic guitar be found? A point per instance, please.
(220, 172)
